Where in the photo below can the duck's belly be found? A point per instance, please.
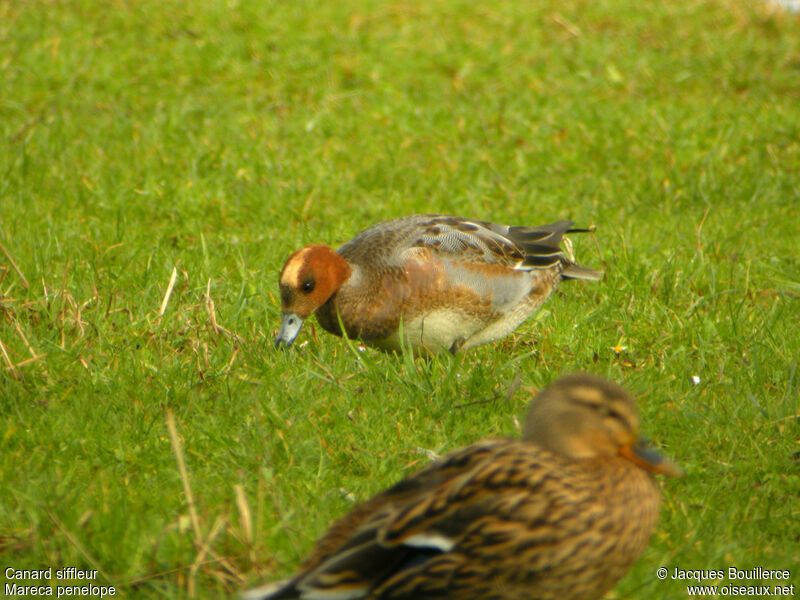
(449, 330)
(435, 331)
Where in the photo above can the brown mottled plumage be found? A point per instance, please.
(449, 283)
(560, 514)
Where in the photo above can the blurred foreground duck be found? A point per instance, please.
(445, 282)
(560, 514)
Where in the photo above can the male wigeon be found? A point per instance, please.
(560, 514)
(445, 282)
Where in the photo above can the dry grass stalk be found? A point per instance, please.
(177, 449)
(74, 541)
(246, 519)
(10, 365)
(205, 548)
(211, 310)
(170, 286)
(13, 263)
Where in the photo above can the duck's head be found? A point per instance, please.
(585, 416)
(309, 278)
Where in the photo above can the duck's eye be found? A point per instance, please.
(308, 286)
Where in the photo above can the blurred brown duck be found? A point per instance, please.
(560, 514)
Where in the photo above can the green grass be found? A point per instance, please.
(215, 137)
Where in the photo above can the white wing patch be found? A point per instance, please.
(430, 540)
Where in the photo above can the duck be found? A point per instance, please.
(561, 513)
(427, 282)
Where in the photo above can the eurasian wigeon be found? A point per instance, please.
(445, 282)
(560, 514)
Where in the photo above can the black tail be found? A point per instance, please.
(542, 248)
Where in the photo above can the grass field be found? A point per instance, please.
(210, 139)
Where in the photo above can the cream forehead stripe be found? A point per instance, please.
(291, 271)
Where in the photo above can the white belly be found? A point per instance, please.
(444, 329)
(435, 331)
